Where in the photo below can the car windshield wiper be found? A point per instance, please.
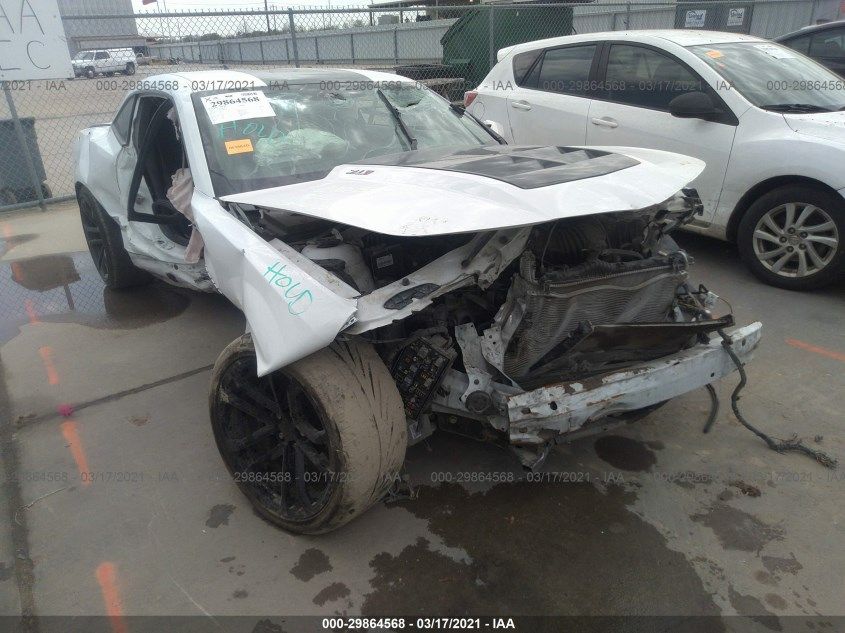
(398, 118)
(461, 111)
(795, 107)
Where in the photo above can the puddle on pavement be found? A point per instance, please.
(550, 547)
(738, 530)
(625, 453)
(312, 562)
(8, 243)
(66, 288)
(754, 609)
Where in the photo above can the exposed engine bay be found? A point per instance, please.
(580, 297)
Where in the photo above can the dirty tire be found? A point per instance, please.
(105, 243)
(89, 72)
(351, 396)
(831, 209)
(130, 69)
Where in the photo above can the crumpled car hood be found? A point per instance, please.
(492, 187)
(829, 126)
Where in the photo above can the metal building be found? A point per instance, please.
(86, 29)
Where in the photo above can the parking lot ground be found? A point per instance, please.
(114, 492)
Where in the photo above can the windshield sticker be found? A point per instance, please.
(778, 52)
(298, 299)
(240, 146)
(714, 54)
(234, 106)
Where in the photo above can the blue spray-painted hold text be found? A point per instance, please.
(299, 299)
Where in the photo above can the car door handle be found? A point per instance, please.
(604, 122)
(521, 105)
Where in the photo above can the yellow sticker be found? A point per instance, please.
(714, 54)
(240, 146)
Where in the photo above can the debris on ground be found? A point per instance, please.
(747, 489)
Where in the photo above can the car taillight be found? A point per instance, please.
(469, 97)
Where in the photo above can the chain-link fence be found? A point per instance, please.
(449, 48)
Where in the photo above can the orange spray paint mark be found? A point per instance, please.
(107, 577)
(71, 435)
(31, 312)
(816, 349)
(46, 354)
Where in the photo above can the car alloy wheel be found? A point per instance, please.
(795, 239)
(274, 441)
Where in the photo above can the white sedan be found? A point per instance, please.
(398, 267)
(767, 121)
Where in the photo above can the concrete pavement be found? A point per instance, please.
(655, 519)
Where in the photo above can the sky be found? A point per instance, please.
(226, 26)
(193, 5)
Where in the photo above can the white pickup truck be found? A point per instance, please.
(104, 62)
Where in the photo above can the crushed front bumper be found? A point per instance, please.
(542, 414)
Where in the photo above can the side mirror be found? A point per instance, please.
(694, 105)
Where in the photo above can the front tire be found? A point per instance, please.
(130, 69)
(105, 243)
(89, 72)
(314, 444)
(794, 237)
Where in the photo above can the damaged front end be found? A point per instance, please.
(528, 335)
(593, 321)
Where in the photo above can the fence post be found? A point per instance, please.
(396, 44)
(352, 47)
(815, 14)
(317, 48)
(241, 52)
(628, 16)
(261, 48)
(492, 37)
(293, 38)
(30, 165)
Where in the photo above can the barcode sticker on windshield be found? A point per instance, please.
(234, 106)
(776, 51)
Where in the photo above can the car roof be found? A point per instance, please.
(234, 80)
(658, 37)
(812, 28)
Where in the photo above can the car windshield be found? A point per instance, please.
(279, 135)
(774, 77)
(85, 55)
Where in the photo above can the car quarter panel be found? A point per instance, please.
(760, 136)
(289, 313)
(97, 149)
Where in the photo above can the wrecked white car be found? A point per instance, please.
(401, 269)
